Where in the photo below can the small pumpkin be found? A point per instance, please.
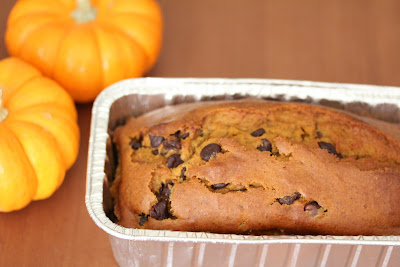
(86, 45)
(39, 135)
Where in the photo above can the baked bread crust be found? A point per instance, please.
(251, 167)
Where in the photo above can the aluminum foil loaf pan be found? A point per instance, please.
(139, 247)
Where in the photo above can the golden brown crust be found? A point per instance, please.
(319, 172)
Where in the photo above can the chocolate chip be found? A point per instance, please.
(319, 134)
(288, 200)
(164, 190)
(155, 152)
(183, 176)
(210, 151)
(174, 161)
(136, 144)
(172, 144)
(185, 135)
(266, 145)
(155, 141)
(159, 211)
(258, 132)
(331, 149)
(143, 218)
(176, 134)
(219, 186)
(312, 207)
(304, 134)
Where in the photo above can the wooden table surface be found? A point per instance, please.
(336, 41)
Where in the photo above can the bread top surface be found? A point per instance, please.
(251, 166)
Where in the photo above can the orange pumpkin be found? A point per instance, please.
(39, 135)
(86, 46)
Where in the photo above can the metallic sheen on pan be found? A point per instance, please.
(137, 96)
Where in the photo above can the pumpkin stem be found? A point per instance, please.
(3, 111)
(84, 12)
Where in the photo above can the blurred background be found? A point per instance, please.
(337, 41)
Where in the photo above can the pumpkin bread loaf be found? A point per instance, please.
(252, 167)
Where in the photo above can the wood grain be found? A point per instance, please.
(335, 41)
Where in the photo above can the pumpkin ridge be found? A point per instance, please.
(60, 28)
(56, 16)
(69, 152)
(66, 32)
(4, 124)
(69, 113)
(122, 32)
(150, 26)
(22, 5)
(29, 181)
(100, 55)
(21, 86)
(82, 81)
(16, 36)
(34, 88)
(47, 185)
(8, 82)
(22, 41)
(66, 118)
